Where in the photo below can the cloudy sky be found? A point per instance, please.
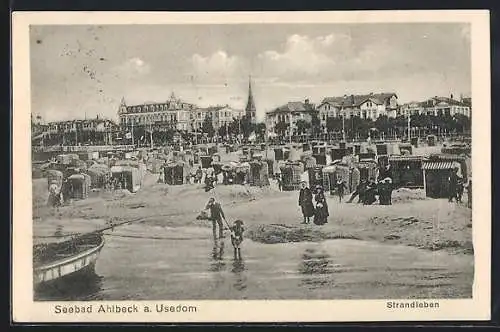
(79, 71)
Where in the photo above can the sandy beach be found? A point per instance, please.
(270, 216)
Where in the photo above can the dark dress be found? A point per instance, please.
(321, 213)
(305, 202)
(385, 193)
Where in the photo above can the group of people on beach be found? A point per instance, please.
(317, 210)
(314, 205)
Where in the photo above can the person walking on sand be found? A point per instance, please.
(340, 186)
(279, 181)
(305, 202)
(360, 191)
(216, 215)
(198, 175)
(321, 213)
(452, 184)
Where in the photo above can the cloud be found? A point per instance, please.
(218, 67)
(302, 55)
(329, 58)
(134, 66)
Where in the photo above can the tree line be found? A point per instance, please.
(421, 124)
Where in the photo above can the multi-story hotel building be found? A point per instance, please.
(370, 106)
(290, 113)
(80, 132)
(175, 114)
(438, 106)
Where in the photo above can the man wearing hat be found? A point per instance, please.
(305, 202)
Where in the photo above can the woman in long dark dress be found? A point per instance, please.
(321, 213)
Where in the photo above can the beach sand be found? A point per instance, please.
(269, 216)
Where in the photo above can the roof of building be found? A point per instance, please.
(431, 102)
(294, 106)
(92, 120)
(356, 100)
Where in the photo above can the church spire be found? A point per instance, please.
(123, 106)
(250, 110)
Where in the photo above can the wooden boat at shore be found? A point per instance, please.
(55, 261)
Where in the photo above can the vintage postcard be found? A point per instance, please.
(251, 166)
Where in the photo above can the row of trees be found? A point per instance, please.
(358, 127)
(354, 127)
(237, 127)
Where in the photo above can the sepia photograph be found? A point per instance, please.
(322, 160)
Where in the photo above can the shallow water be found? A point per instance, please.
(185, 263)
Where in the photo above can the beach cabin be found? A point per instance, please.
(99, 175)
(319, 152)
(414, 141)
(229, 173)
(279, 154)
(406, 171)
(258, 175)
(338, 153)
(315, 176)
(213, 150)
(203, 150)
(206, 161)
(367, 169)
(54, 177)
(80, 186)
(348, 174)
(357, 149)
(460, 149)
(382, 149)
(435, 174)
(463, 161)
(291, 173)
(128, 176)
(175, 173)
(431, 140)
(242, 171)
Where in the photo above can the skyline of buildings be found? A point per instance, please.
(187, 117)
(328, 106)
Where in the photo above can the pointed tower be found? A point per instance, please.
(250, 110)
(123, 106)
